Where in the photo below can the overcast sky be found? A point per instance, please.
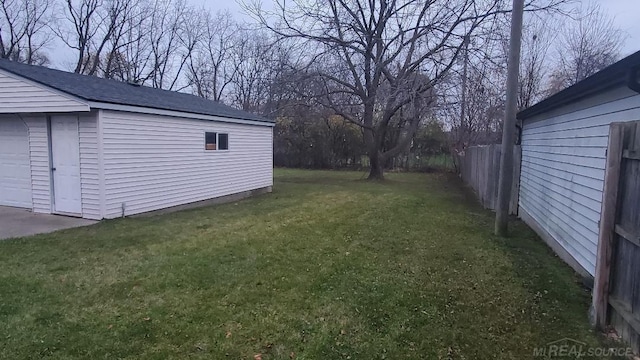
(625, 12)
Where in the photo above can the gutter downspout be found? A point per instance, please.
(632, 80)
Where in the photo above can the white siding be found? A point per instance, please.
(19, 95)
(40, 167)
(89, 178)
(15, 163)
(563, 162)
(153, 162)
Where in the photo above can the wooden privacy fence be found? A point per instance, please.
(479, 167)
(616, 292)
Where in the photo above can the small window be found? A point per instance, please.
(210, 141)
(223, 141)
(216, 141)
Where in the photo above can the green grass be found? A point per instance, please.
(328, 266)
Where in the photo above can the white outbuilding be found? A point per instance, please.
(84, 146)
(564, 145)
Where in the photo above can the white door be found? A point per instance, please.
(65, 156)
(15, 169)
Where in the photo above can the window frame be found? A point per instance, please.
(217, 141)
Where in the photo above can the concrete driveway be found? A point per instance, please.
(15, 222)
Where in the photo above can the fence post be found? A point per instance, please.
(607, 226)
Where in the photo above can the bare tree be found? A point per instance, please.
(88, 26)
(537, 37)
(130, 56)
(409, 45)
(472, 100)
(485, 100)
(23, 31)
(254, 61)
(588, 45)
(481, 122)
(173, 33)
(131, 22)
(153, 43)
(211, 67)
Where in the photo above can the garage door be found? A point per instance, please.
(15, 172)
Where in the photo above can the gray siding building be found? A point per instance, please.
(564, 142)
(95, 148)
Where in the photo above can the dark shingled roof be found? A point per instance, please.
(615, 75)
(96, 89)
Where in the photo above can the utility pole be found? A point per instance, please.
(505, 182)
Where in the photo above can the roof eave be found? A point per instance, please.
(561, 99)
(613, 76)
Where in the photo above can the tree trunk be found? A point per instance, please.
(376, 166)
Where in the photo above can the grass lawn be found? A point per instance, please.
(328, 266)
